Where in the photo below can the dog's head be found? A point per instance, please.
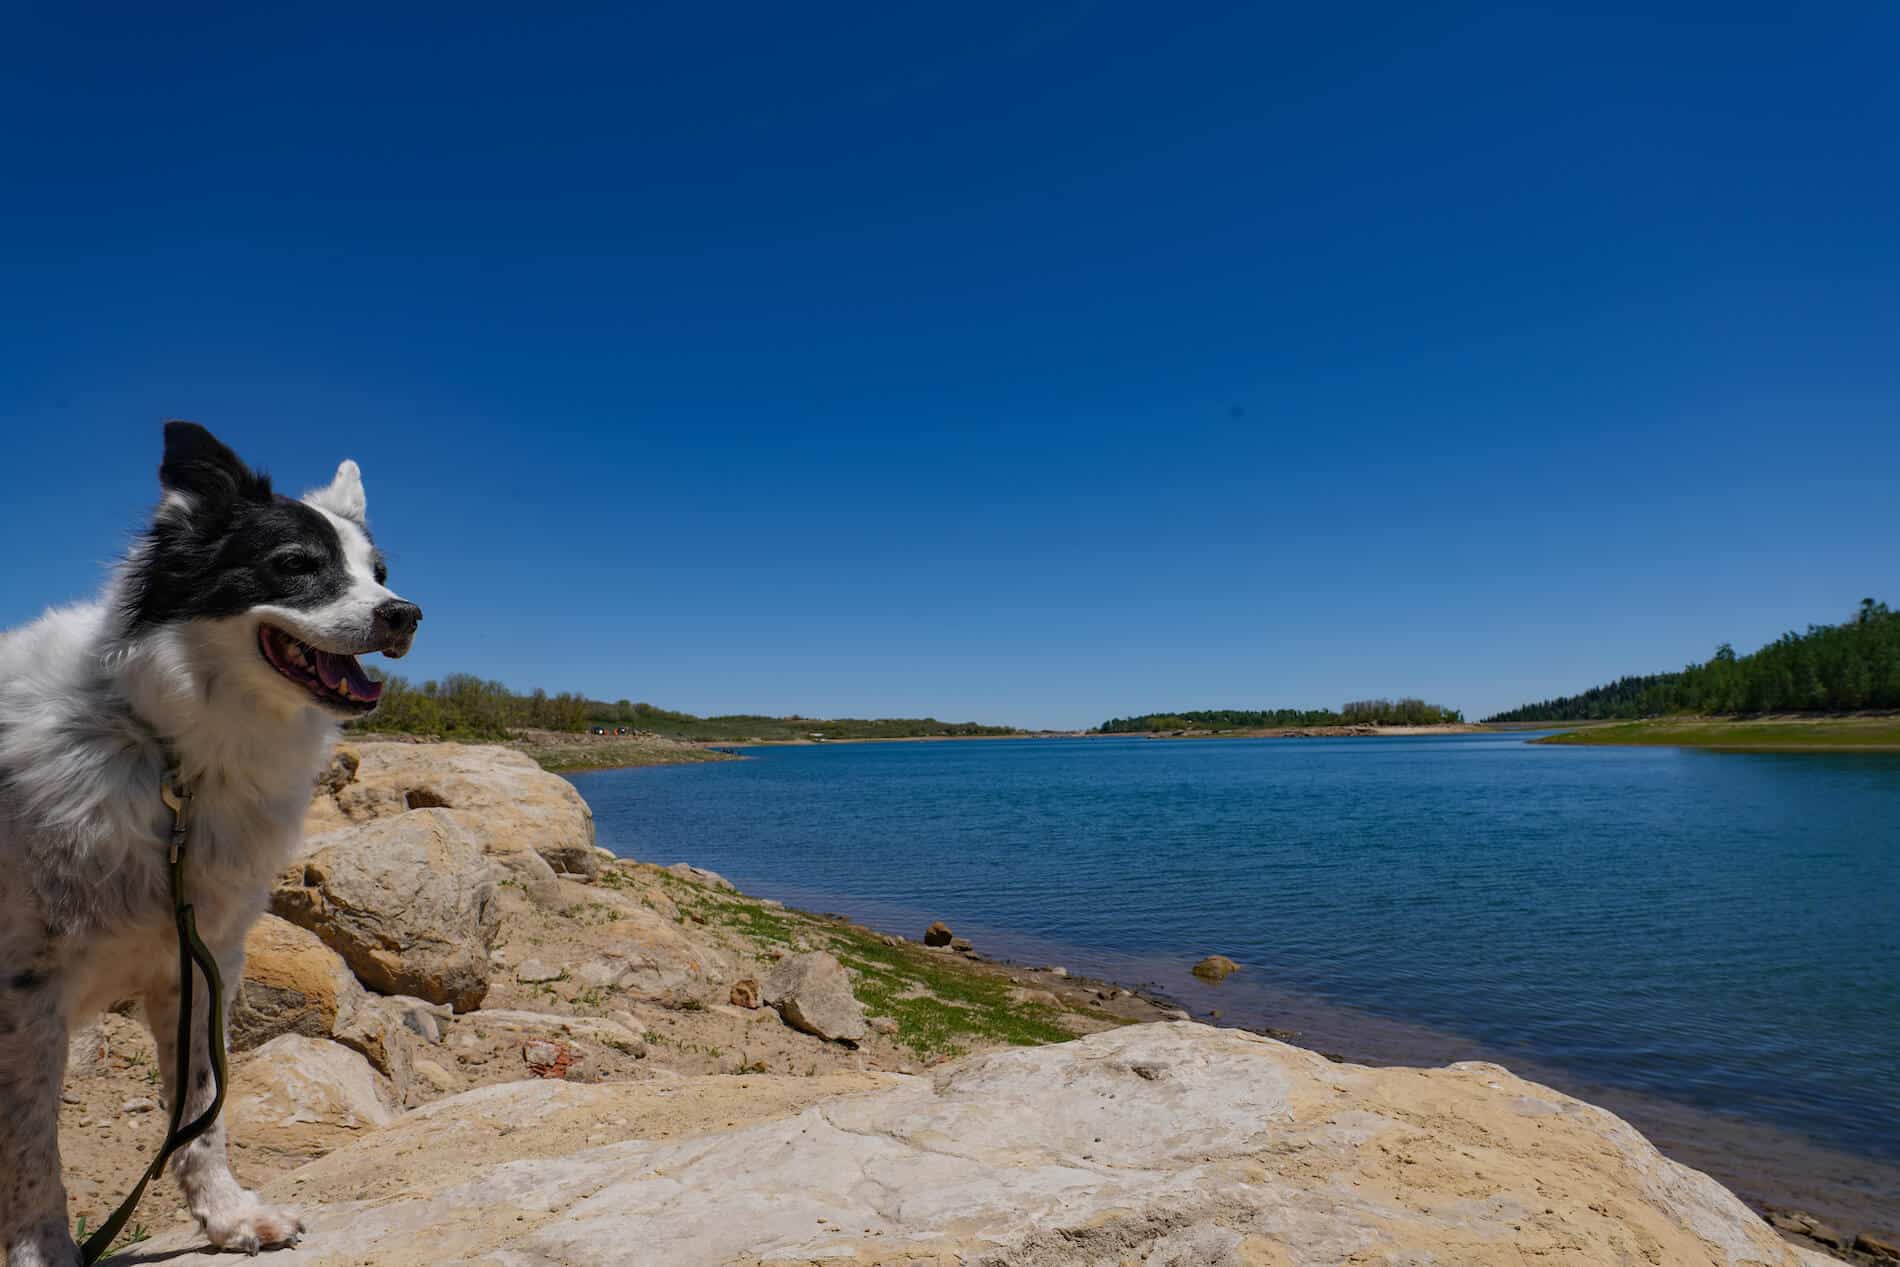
(284, 592)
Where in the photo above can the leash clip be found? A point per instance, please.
(177, 798)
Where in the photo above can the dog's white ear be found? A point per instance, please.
(344, 496)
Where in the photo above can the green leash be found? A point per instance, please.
(191, 950)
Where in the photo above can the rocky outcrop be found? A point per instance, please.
(1159, 1145)
(409, 902)
(506, 801)
(813, 993)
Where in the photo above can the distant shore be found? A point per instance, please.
(1358, 730)
(1796, 732)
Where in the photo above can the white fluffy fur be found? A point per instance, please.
(85, 912)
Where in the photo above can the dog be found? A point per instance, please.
(222, 653)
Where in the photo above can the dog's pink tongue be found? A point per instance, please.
(338, 669)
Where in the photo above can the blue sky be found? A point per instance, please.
(1020, 363)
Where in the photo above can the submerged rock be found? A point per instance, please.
(1215, 968)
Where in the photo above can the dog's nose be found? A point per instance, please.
(397, 618)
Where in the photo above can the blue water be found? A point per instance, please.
(1717, 930)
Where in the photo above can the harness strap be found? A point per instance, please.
(191, 949)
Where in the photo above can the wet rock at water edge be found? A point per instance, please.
(1215, 968)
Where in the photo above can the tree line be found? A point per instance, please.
(464, 707)
(1383, 712)
(1830, 668)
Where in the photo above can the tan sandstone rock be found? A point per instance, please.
(506, 801)
(293, 984)
(409, 902)
(812, 992)
(1157, 1145)
(297, 1098)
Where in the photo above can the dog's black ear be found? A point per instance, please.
(199, 465)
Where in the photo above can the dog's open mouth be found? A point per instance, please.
(334, 678)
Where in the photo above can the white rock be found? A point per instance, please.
(1158, 1145)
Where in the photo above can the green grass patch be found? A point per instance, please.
(941, 1005)
(1780, 734)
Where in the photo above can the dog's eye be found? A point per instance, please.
(299, 564)
(382, 573)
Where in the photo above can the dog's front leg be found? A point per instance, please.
(33, 1230)
(231, 1216)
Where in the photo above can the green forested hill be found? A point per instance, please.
(1830, 668)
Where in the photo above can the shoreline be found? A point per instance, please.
(1779, 732)
(1773, 1170)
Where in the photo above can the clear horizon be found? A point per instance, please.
(1025, 367)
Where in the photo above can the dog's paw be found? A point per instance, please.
(253, 1226)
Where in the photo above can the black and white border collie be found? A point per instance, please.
(224, 647)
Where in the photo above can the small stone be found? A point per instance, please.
(138, 1104)
(433, 1074)
(1874, 1247)
(883, 1024)
(1175, 1014)
(606, 854)
(1822, 1234)
(1215, 968)
(961, 944)
(70, 1097)
(547, 1059)
(745, 993)
(938, 934)
(1056, 970)
(535, 972)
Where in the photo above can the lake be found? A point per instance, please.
(1708, 943)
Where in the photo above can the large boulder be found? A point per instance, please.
(501, 796)
(812, 992)
(409, 902)
(296, 1098)
(1157, 1145)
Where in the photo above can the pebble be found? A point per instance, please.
(70, 1097)
(435, 1075)
(534, 972)
(138, 1104)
